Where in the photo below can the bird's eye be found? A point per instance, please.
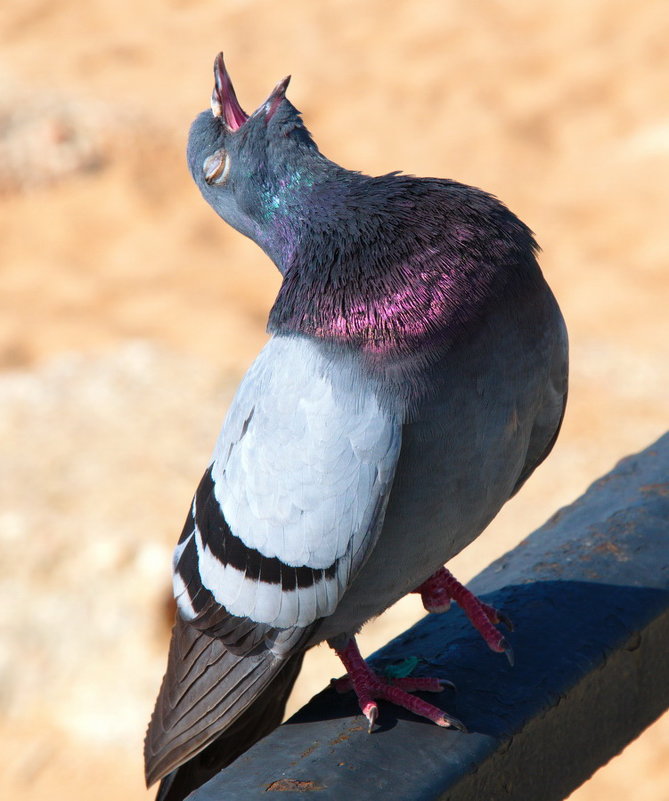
(216, 167)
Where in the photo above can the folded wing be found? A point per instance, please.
(284, 517)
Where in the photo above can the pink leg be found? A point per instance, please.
(368, 687)
(442, 587)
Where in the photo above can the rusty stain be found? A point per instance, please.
(612, 548)
(607, 547)
(309, 750)
(294, 786)
(541, 566)
(345, 735)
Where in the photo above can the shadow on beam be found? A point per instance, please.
(589, 596)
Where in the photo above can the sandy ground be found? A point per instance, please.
(129, 311)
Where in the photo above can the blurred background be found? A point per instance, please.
(130, 312)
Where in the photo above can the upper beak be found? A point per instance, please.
(224, 101)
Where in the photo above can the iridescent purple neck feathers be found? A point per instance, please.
(386, 265)
(394, 264)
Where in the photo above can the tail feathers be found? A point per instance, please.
(212, 705)
(264, 715)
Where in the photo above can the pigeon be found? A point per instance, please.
(414, 377)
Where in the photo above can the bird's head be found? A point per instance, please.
(255, 171)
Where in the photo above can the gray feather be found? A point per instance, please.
(207, 689)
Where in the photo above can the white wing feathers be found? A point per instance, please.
(295, 493)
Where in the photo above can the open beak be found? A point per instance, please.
(224, 103)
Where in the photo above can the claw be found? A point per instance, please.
(367, 686)
(482, 616)
(371, 712)
(508, 650)
(452, 723)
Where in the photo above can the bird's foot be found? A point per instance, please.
(368, 687)
(442, 588)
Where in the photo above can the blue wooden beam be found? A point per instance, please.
(589, 596)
